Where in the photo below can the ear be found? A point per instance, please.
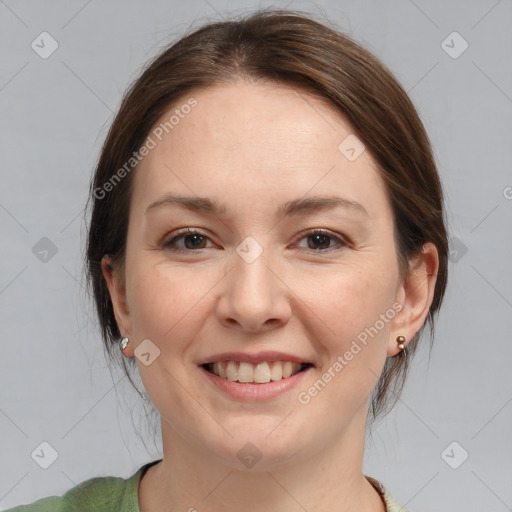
(416, 296)
(117, 289)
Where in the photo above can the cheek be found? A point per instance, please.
(165, 307)
(162, 301)
(358, 294)
(357, 307)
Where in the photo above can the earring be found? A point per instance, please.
(400, 340)
(124, 343)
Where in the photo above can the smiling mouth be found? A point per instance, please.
(261, 373)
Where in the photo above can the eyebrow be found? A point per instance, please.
(290, 208)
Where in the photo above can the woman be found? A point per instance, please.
(266, 245)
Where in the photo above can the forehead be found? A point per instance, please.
(263, 140)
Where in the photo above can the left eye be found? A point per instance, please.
(320, 241)
(195, 237)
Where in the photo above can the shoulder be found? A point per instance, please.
(391, 504)
(53, 503)
(99, 493)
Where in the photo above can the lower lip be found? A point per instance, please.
(251, 391)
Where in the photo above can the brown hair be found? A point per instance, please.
(285, 47)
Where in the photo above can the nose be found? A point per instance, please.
(254, 297)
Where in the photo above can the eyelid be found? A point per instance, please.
(342, 240)
(180, 233)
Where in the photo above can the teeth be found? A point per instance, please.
(277, 371)
(245, 372)
(231, 372)
(287, 369)
(260, 373)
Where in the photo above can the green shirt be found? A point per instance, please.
(113, 494)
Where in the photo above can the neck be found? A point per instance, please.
(330, 479)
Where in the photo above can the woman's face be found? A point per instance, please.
(253, 283)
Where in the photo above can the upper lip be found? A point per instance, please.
(259, 357)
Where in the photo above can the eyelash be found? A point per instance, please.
(188, 232)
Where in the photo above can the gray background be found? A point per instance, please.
(55, 385)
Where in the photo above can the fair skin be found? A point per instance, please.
(253, 147)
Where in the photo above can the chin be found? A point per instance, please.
(255, 450)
